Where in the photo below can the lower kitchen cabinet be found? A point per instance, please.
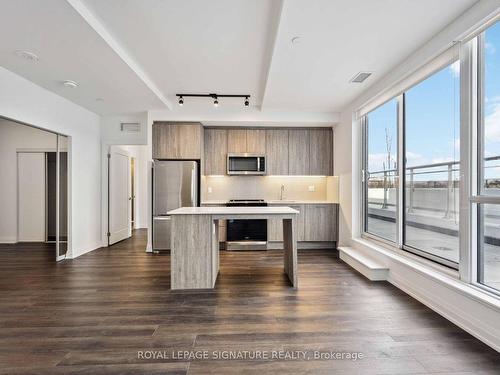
(320, 222)
(222, 230)
(275, 226)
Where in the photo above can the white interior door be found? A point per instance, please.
(119, 195)
(31, 196)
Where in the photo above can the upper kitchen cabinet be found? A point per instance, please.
(298, 152)
(277, 151)
(252, 141)
(256, 141)
(320, 152)
(177, 140)
(216, 143)
(236, 141)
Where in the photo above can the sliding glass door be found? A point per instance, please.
(380, 171)
(432, 167)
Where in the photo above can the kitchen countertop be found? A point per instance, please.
(265, 210)
(277, 201)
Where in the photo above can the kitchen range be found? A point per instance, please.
(246, 234)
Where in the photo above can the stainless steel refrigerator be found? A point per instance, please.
(175, 184)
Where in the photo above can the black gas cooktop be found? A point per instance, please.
(246, 202)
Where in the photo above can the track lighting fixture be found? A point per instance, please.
(214, 96)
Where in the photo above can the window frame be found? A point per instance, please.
(479, 196)
(469, 53)
(411, 249)
(400, 177)
(364, 175)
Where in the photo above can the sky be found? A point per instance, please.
(433, 117)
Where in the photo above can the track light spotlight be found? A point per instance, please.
(215, 97)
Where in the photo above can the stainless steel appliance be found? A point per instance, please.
(175, 184)
(246, 234)
(243, 164)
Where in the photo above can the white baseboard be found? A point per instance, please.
(465, 318)
(473, 310)
(8, 239)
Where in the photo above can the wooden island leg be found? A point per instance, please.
(290, 250)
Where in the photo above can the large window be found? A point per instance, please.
(431, 171)
(381, 171)
(432, 164)
(488, 260)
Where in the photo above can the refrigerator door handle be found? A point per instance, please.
(193, 187)
(161, 218)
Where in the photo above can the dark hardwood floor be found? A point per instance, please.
(98, 313)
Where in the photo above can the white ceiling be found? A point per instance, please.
(137, 54)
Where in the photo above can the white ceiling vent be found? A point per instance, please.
(130, 127)
(360, 77)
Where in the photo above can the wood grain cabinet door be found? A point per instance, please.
(319, 222)
(256, 141)
(236, 141)
(277, 151)
(298, 152)
(177, 141)
(275, 226)
(274, 230)
(320, 152)
(215, 151)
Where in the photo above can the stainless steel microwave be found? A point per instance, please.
(246, 164)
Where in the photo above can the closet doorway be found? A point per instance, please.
(35, 189)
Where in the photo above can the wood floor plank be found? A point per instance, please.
(94, 314)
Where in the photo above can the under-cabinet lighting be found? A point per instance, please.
(296, 176)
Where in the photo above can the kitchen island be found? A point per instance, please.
(194, 250)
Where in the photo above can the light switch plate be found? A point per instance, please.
(209, 190)
(312, 188)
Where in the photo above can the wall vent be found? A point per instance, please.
(130, 127)
(360, 77)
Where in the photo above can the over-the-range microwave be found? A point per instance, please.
(246, 164)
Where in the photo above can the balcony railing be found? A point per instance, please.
(445, 177)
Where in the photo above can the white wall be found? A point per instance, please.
(111, 130)
(14, 137)
(26, 102)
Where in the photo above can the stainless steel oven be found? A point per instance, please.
(246, 234)
(246, 164)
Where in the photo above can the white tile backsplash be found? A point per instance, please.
(222, 188)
